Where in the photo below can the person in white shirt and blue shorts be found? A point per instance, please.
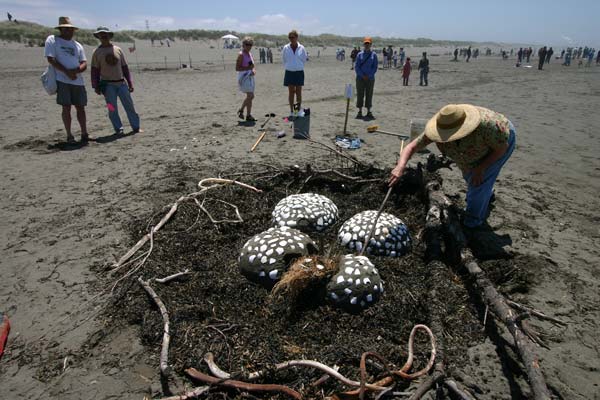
(294, 56)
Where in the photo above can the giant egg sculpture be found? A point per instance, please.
(308, 212)
(356, 286)
(266, 256)
(390, 238)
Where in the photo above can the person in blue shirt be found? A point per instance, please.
(365, 67)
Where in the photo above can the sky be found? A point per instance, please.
(573, 22)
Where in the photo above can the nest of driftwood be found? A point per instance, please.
(233, 336)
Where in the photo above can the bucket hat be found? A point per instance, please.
(103, 29)
(452, 122)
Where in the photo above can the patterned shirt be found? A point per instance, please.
(492, 133)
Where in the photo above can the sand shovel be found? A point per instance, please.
(375, 128)
(262, 127)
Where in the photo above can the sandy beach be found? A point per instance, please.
(66, 211)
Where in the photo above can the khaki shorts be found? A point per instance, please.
(70, 95)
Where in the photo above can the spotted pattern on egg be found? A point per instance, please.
(390, 238)
(308, 212)
(266, 256)
(356, 286)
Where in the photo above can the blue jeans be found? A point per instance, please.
(423, 77)
(478, 197)
(122, 92)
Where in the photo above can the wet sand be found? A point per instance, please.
(65, 209)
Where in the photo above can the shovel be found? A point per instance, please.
(269, 116)
(375, 128)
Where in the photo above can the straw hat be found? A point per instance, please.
(452, 122)
(367, 40)
(102, 29)
(65, 22)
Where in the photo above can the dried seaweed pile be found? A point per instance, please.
(217, 310)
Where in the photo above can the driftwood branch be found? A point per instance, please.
(205, 185)
(165, 370)
(249, 387)
(486, 290)
(169, 278)
(192, 394)
(535, 313)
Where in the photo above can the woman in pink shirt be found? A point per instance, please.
(246, 71)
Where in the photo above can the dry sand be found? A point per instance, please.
(66, 211)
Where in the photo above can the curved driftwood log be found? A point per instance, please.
(482, 285)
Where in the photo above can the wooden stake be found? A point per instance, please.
(347, 111)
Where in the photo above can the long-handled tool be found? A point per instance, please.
(262, 127)
(385, 199)
(269, 116)
(375, 128)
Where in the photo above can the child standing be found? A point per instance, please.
(406, 72)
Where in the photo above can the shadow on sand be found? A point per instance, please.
(113, 137)
(487, 244)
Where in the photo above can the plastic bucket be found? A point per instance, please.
(417, 126)
(302, 127)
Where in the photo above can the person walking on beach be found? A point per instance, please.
(244, 65)
(111, 78)
(455, 54)
(549, 55)
(294, 56)
(402, 55)
(468, 53)
(406, 72)
(479, 140)
(68, 58)
(423, 68)
(542, 57)
(520, 55)
(353, 55)
(529, 51)
(366, 68)
(269, 55)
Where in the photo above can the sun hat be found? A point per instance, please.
(65, 22)
(367, 39)
(452, 122)
(103, 29)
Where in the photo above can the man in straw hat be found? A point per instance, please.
(479, 140)
(68, 58)
(111, 77)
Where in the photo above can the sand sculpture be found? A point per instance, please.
(266, 256)
(356, 286)
(390, 237)
(308, 212)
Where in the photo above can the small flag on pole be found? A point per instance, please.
(348, 93)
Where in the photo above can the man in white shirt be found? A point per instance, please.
(68, 58)
(294, 56)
